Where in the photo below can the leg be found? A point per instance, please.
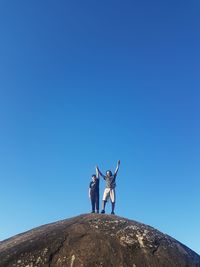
(103, 206)
(112, 198)
(113, 208)
(105, 197)
(93, 203)
(97, 202)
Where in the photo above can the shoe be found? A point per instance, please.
(97, 211)
(112, 213)
(93, 211)
(103, 211)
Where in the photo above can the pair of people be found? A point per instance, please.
(109, 191)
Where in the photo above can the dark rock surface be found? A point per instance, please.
(95, 240)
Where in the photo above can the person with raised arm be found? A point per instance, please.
(94, 192)
(109, 191)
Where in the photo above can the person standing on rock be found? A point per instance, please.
(109, 191)
(94, 192)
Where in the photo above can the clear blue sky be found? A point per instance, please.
(90, 82)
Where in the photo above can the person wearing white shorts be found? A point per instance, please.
(109, 191)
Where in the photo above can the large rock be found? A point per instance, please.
(95, 240)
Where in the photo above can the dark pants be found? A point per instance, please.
(95, 201)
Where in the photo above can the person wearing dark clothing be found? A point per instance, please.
(94, 192)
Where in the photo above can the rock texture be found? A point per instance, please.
(95, 240)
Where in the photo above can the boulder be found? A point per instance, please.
(95, 240)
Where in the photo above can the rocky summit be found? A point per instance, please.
(95, 240)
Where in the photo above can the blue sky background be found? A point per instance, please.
(90, 82)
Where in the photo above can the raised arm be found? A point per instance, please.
(97, 172)
(100, 173)
(116, 171)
